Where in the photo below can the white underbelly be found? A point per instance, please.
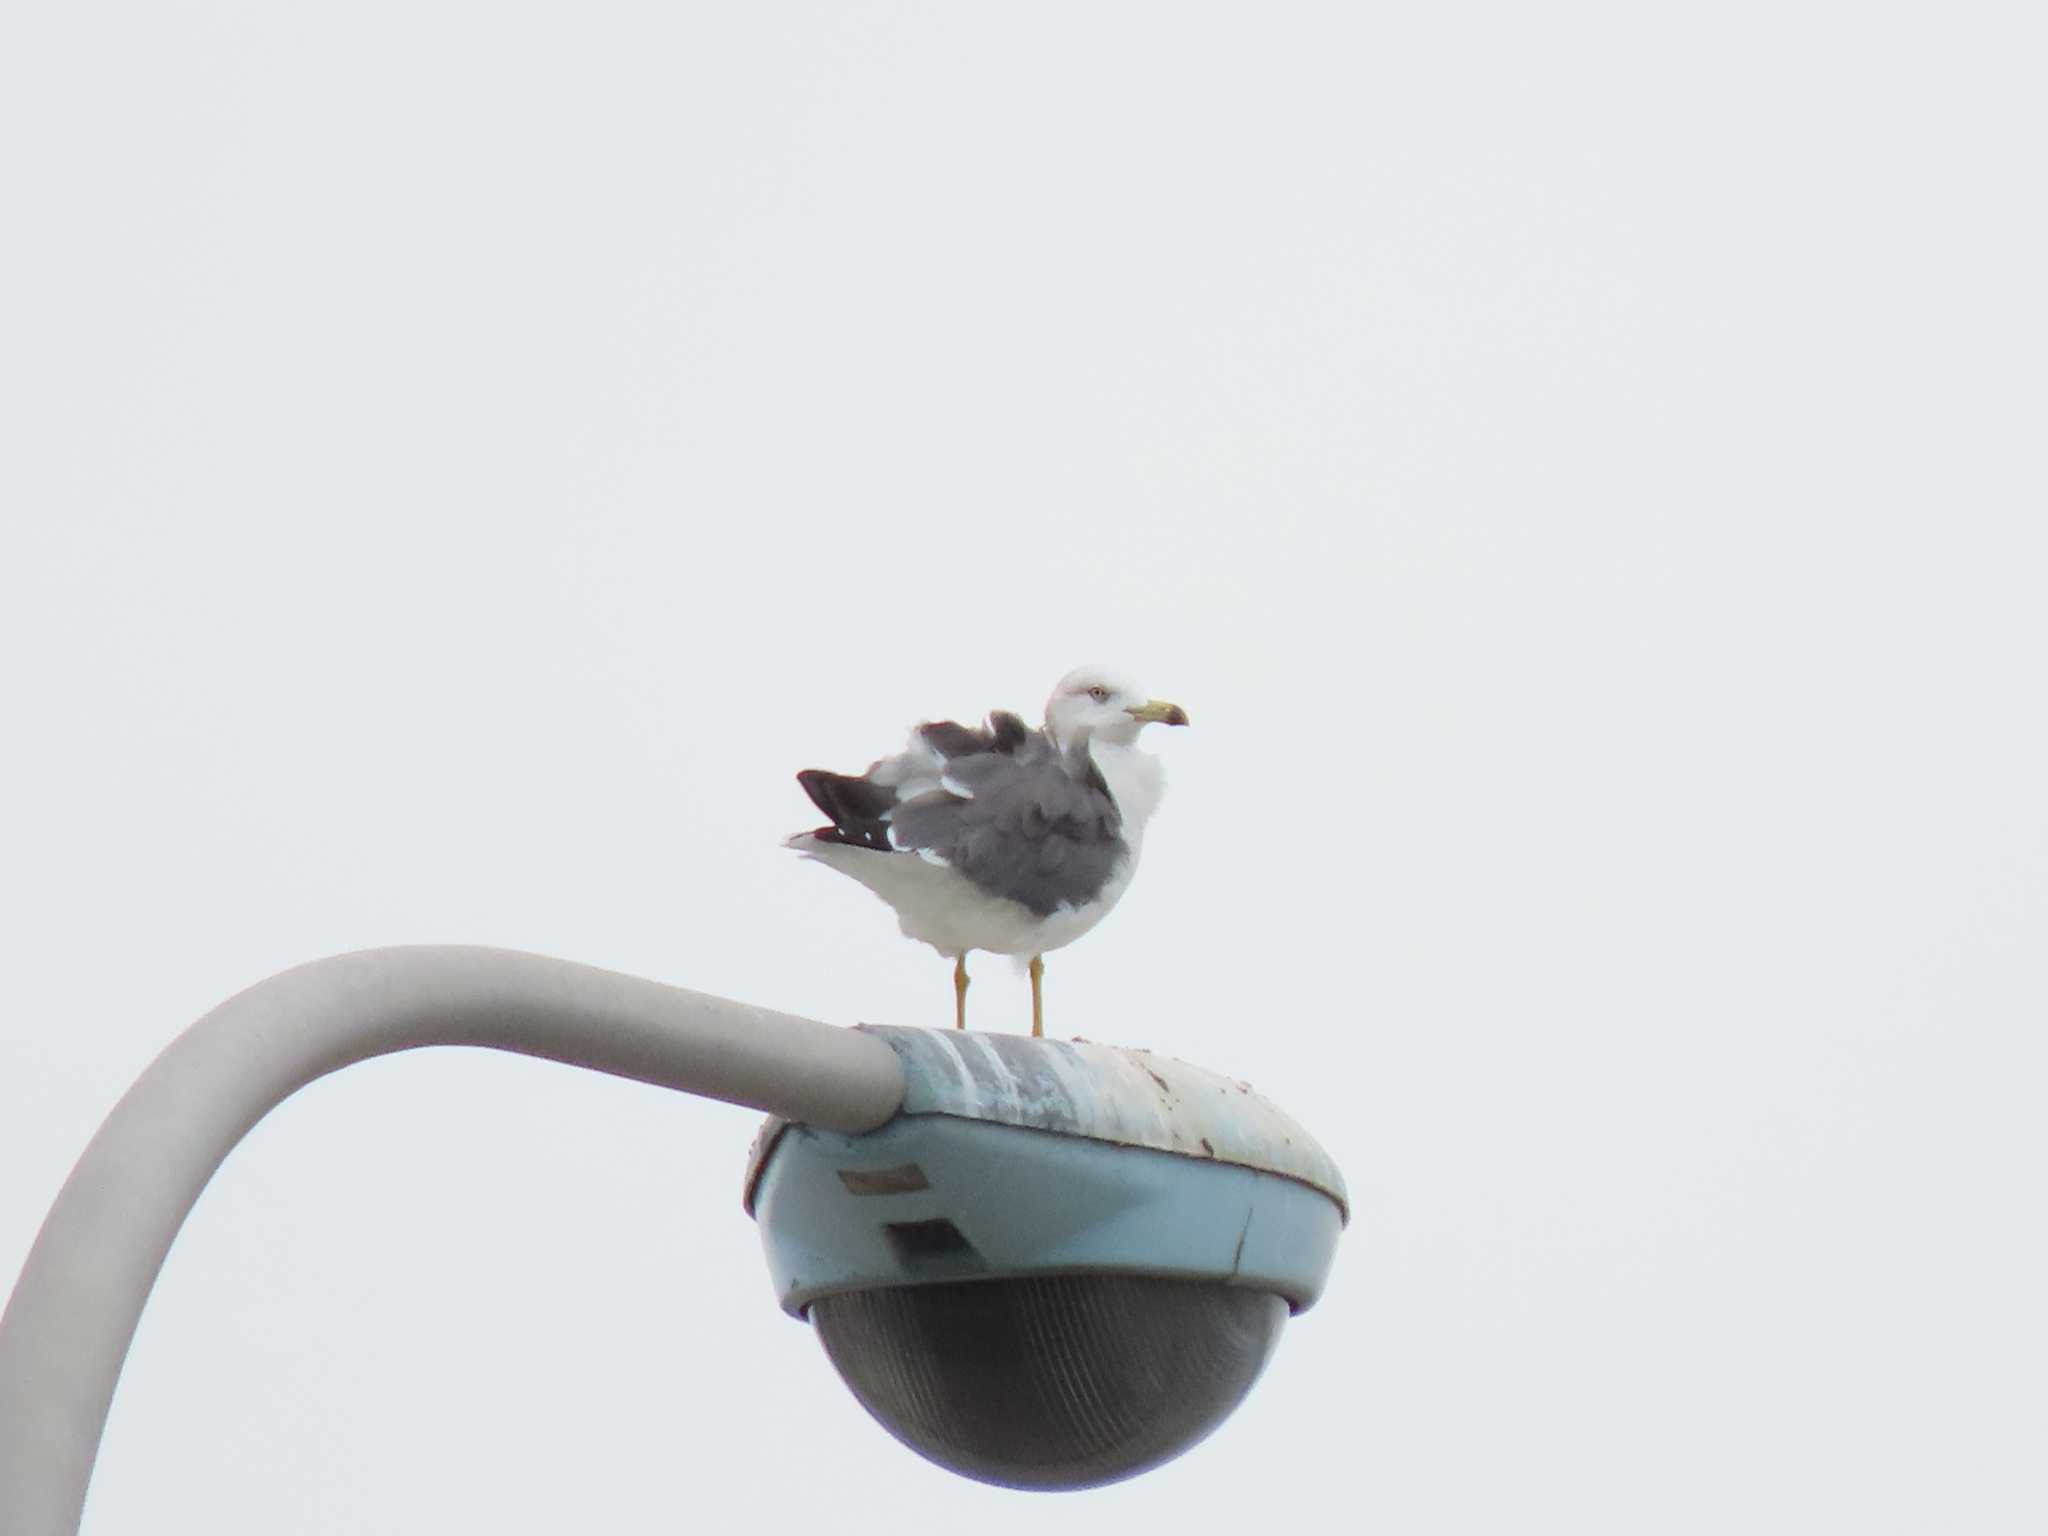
(939, 906)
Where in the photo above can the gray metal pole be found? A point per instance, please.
(75, 1307)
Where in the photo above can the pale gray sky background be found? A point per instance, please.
(1580, 467)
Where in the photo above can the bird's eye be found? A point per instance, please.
(1098, 693)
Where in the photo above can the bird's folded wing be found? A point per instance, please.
(1028, 825)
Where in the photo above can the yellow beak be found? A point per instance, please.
(1159, 712)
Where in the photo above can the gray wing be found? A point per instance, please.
(862, 805)
(1024, 823)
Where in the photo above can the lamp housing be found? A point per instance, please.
(1060, 1263)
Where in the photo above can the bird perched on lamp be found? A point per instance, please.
(1002, 838)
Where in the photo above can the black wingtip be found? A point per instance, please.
(868, 836)
(853, 805)
(817, 784)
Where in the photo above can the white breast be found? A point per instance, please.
(1136, 780)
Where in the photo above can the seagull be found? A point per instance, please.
(1002, 838)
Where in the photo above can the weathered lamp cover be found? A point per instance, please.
(1061, 1263)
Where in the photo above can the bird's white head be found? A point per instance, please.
(1100, 704)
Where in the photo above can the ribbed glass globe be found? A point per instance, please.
(1051, 1381)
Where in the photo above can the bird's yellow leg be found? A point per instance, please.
(960, 992)
(1037, 1000)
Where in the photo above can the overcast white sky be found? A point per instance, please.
(1579, 466)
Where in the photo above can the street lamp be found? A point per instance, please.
(1033, 1271)
(1058, 1264)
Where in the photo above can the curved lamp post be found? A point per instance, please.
(938, 1207)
